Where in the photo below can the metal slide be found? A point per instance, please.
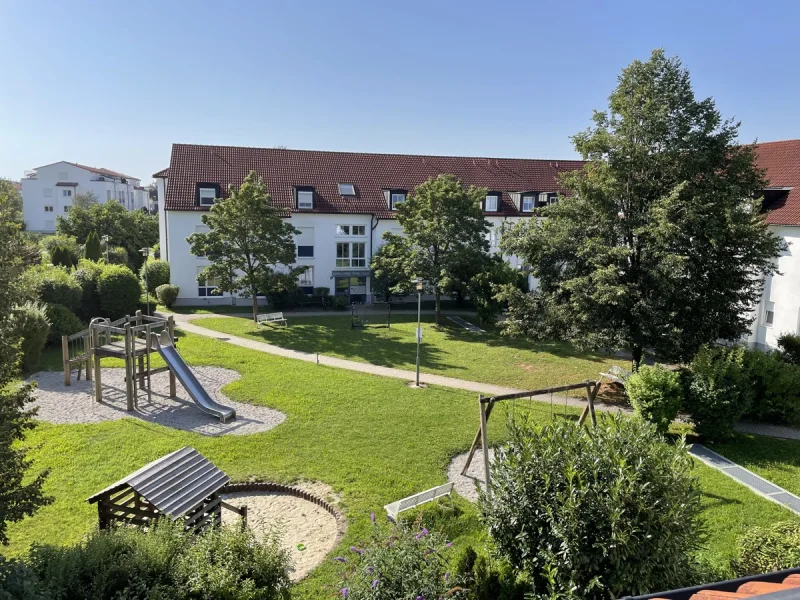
(184, 374)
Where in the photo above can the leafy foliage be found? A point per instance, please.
(60, 257)
(789, 344)
(132, 230)
(157, 274)
(656, 395)
(65, 249)
(249, 245)
(117, 256)
(53, 285)
(444, 240)
(488, 579)
(30, 325)
(164, 562)
(408, 563)
(20, 491)
(774, 385)
(62, 322)
(653, 246)
(484, 287)
(389, 275)
(84, 199)
(87, 274)
(594, 514)
(92, 249)
(10, 202)
(167, 294)
(119, 291)
(765, 549)
(717, 391)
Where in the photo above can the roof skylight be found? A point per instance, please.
(347, 189)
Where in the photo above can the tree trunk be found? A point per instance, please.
(438, 306)
(636, 359)
(255, 308)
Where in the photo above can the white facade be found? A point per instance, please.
(779, 309)
(321, 236)
(49, 191)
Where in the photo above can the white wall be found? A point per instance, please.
(34, 190)
(781, 295)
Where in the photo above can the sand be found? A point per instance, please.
(465, 484)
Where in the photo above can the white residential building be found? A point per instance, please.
(341, 202)
(48, 191)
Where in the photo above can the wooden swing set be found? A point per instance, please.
(486, 404)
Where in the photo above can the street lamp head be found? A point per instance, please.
(419, 283)
(145, 252)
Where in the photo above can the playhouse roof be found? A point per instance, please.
(174, 484)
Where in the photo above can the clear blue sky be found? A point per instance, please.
(115, 84)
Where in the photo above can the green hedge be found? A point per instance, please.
(119, 291)
(157, 274)
(31, 325)
(87, 274)
(656, 395)
(62, 322)
(167, 294)
(765, 549)
(53, 285)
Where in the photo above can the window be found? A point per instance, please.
(305, 198)
(492, 200)
(108, 195)
(351, 254)
(306, 279)
(347, 189)
(47, 192)
(398, 197)
(206, 288)
(207, 196)
(305, 252)
(769, 314)
(66, 193)
(48, 208)
(351, 230)
(66, 208)
(527, 203)
(121, 197)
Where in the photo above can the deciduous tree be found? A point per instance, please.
(249, 244)
(660, 243)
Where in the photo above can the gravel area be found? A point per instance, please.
(297, 522)
(74, 404)
(465, 484)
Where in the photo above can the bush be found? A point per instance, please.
(775, 387)
(789, 344)
(53, 285)
(322, 292)
(594, 514)
(92, 249)
(487, 578)
(62, 322)
(119, 291)
(340, 302)
(167, 294)
(157, 274)
(61, 257)
(164, 562)
(405, 564)
(716, 391)
(31, 325)
(656, 395)
(87, 274)
(117, 256)
(765, 549)
(52, 242)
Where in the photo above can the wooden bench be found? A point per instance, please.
(395, 508)
(271, 318)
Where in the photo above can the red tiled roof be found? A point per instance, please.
(162, 173)
(282, 170)
(724, 590)
(782, 162)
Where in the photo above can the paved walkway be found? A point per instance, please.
(777, 431)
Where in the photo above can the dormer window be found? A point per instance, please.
(397, 198)
(528, 201)
(207, 194)
(305, 198)
(347, 189)
(492, 202)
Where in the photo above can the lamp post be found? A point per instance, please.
(419, 283)
(146, 253)
(105, 238)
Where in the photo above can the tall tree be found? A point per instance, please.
(84, 199)
(442, 223)
(249, 244)
(20, 494)
(92, 248)
(660, 243)
(10, 200)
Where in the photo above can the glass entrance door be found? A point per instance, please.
(355, 288)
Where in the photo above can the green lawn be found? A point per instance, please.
(774, 459)
(372, 439)
(447, 350)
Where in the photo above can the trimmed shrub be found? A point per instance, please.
(60, 257)
(117, 256)
(31, 325)
(340, 302)
(92, 249)
(656, 395)
(50, 243)
(167, 294)
(775, 387)
(594, 514)
(789, 344)
(716, 391)
(157, 274)
(119, 291)
(62, 322)
(408, 563)
(53, 285)
(87, 275)
(765, 549)
(164, 562)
